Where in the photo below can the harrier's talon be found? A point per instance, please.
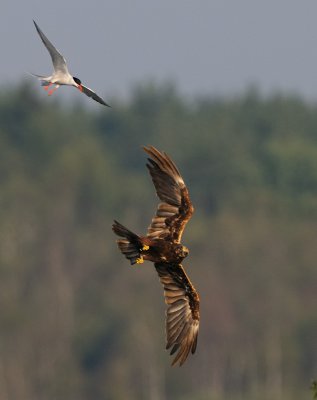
(140, 260)
(145, 247)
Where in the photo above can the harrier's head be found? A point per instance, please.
(181, 251)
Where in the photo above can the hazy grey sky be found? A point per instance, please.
(206, 47)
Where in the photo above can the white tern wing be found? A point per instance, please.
(59, 62)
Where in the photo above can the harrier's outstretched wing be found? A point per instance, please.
(182, 315)
(176, 208)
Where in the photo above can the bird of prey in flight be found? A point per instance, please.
(162, 245)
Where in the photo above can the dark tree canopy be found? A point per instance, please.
(66, 329)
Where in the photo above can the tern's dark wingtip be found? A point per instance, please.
(36, 26)
(102, 102)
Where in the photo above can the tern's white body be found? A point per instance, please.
(59, 79)
(61, 75)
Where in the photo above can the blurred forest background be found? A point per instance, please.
(77, 322)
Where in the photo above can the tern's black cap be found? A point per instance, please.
(78, 81)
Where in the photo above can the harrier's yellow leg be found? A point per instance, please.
(140, 260)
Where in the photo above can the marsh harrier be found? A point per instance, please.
(162, 246)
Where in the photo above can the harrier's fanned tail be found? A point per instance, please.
(130, 245)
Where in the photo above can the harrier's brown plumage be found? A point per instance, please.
(162, 246)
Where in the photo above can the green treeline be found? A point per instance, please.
(77, 322)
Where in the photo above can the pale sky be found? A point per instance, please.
(205, 47)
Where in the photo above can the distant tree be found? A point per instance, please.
(314, 389)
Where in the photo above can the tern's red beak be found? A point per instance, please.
(80, 88)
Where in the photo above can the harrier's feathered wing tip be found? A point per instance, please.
(164, 162)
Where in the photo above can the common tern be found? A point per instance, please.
(61, 75)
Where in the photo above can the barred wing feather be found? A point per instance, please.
(175, 208)
(182, 315)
